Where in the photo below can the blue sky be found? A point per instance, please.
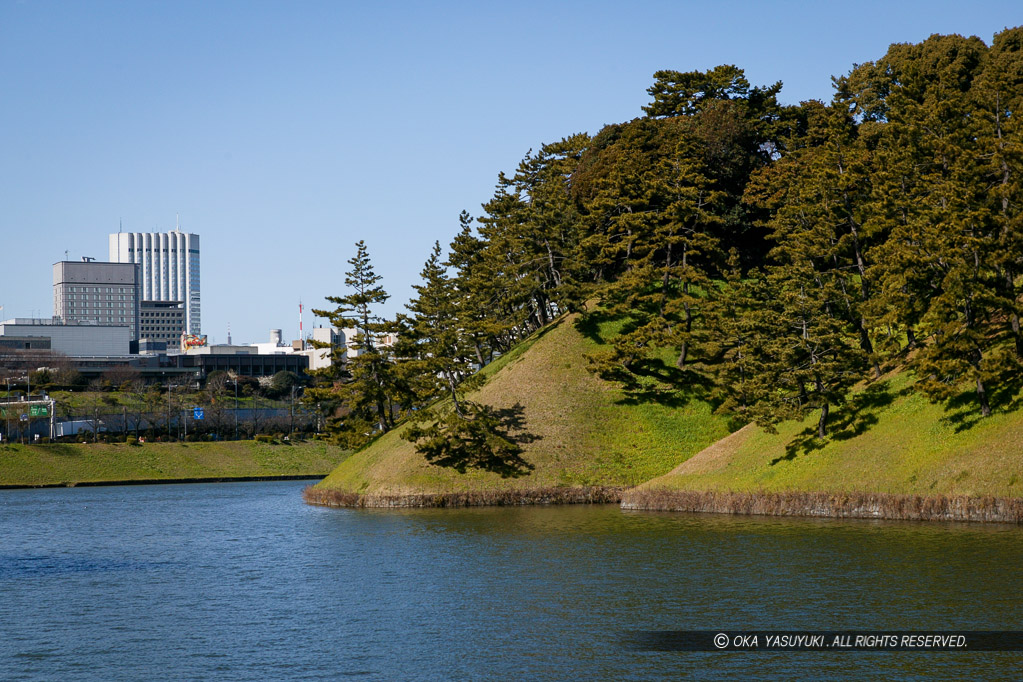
(283, 132)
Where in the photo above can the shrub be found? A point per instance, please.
(131, 440)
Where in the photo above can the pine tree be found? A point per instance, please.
(531, 228)
(943, 256)
(998, 92)
(741, 313)
(813, 346)
(432, 344)
(673, 257)
(438, 356)
(361, 375)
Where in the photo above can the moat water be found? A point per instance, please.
(243, 581)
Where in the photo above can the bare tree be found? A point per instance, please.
(121, 376)
(136, 400)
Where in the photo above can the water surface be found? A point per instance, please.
(244, 581)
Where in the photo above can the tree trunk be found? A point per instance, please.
(985, 407)
(822, 424)
(479, 352)
(681, 363)
(454, 394)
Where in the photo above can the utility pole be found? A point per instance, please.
(7, 410)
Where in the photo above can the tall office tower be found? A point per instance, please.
(170, 267)
(97, 293)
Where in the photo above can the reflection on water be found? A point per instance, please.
(243, 581)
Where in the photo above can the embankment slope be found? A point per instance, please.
(584, 438)
(891, 454)
(74, 463)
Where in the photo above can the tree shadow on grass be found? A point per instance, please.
(963, 410)
(588, 324)
(852, 419)
(651, 380)
(513, 421)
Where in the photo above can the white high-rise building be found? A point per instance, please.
(170, 267)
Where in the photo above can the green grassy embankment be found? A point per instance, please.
(891, 454)
(75, 463)
(578, 433)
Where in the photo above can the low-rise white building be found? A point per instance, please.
(75, 340)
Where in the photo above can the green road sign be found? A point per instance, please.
(33, 411)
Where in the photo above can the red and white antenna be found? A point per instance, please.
(301, 336)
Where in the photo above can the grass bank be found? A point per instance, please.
(891, 454)
(578, 434)
(89, 463)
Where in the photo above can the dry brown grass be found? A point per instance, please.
(716, 456)
(481, 498)
(839, 505)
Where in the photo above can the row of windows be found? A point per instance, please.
(97, 297)
(93, 317)
(100, 290)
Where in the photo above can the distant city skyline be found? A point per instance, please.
(283, 134)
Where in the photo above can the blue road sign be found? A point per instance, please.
(197, 413)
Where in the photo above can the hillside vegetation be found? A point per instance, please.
(774, 259)
(575, 429)
(889, 439)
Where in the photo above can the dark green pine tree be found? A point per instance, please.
(810, 354)
(613, 185)
(947, 251)
(438, 357)
(998, 92)
(487, 316)
(673, 258)
(532, 232)
(360, 377)
(431, 341)
(741, 315)
(811, 349)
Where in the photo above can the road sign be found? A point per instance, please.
(38, 411)
(197, 413)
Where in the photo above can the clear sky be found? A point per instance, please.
(283, 132)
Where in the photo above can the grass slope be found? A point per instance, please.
(581, 430)
(28, 465)
(890, 440)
